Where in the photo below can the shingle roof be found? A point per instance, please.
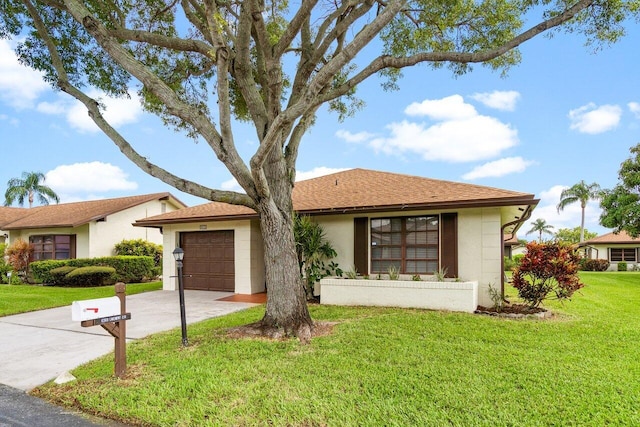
(362, 190)
(79, 213)
(8, 214)
(621, 237)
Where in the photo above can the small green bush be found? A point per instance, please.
(139, 247)
(587, 264)
(622, 266)
(59, 275)
(91, 276)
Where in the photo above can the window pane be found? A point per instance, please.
(396, 224)
(396, 238)
(62, 255)
(432, 237)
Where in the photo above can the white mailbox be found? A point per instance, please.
(95, 308)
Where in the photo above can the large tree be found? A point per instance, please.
(573, 235)
(29, 186)
(621, 205)
(274, 64)
(580, 192)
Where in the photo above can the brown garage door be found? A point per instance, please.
(208, 260)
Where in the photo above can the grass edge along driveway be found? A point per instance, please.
(15, 299)
(385, 366)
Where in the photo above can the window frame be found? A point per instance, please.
(402, 258)
(625, 255)
(58, 244)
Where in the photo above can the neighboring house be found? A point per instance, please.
(512, 246)
(372, 219)
(614, 248)
(85, 229)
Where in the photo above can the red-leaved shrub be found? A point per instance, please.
(547, 270)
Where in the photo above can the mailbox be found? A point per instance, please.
(95, 308)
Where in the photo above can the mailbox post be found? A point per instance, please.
(111, 314)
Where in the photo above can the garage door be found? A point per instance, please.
(208, 260)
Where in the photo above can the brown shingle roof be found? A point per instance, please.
(79, 213)
(621, 237)
(362, 190)
(8, 214)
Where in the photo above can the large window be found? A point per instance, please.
(622, 254)
(409, 244)
(51, 247)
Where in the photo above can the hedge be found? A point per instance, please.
(91, 276)
(129, 269)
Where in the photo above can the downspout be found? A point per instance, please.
(525, 216)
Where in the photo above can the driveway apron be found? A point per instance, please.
(39, 346)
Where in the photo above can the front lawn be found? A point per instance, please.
(388, 367)
(16, 299)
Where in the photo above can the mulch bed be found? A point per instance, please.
(515, 311)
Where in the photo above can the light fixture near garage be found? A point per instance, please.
(178, 255)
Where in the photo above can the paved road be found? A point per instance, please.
(39, 346)
(18, 409)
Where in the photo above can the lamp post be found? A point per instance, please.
(178, 254)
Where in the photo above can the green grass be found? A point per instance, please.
(387, 367)
(16, 299)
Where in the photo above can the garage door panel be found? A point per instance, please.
(209, 262)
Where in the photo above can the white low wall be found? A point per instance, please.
(452, 296)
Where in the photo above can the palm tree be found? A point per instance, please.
(29, 186)
(580, 192)
(540, 226)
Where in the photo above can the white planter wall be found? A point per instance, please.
(452, 296)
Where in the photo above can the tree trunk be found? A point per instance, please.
(287, 312)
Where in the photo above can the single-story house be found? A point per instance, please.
(372, 219)
(512, 246)
(614, 247)
(85, 229)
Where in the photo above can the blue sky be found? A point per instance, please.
(563, 115)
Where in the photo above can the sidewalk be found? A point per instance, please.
(39, 346)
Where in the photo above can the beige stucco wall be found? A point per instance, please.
(117, 227)
(248, 264)
(479, 244)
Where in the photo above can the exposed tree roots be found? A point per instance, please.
(304, 332)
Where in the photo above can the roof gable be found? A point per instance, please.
(80, 213)
(362, 190)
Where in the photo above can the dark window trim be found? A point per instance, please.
(624, 255)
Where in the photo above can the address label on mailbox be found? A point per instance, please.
(95, 308)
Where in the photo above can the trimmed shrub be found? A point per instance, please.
(91, 276)
(129, 269)
(587, 264)
(139, 247)
(622, 266)
(4, 267)
(58, 275)
(547, 270)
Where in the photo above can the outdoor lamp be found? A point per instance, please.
(178, 254)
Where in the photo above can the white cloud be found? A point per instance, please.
(20, 86)
(634, 107)
(499, 168)
(500, 100)
(89, 177)
(231, 185)
(354, 137)
(51, 107)
(449, 108)
(592, 119)
(316, 172)
(118, 112)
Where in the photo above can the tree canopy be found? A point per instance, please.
(540, 226)
(574, 235)
(200, 64)
(621, 205)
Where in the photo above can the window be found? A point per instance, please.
(622, 254)
(410, 244)
(51, 247)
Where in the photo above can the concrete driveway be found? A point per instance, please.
(39, 346)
